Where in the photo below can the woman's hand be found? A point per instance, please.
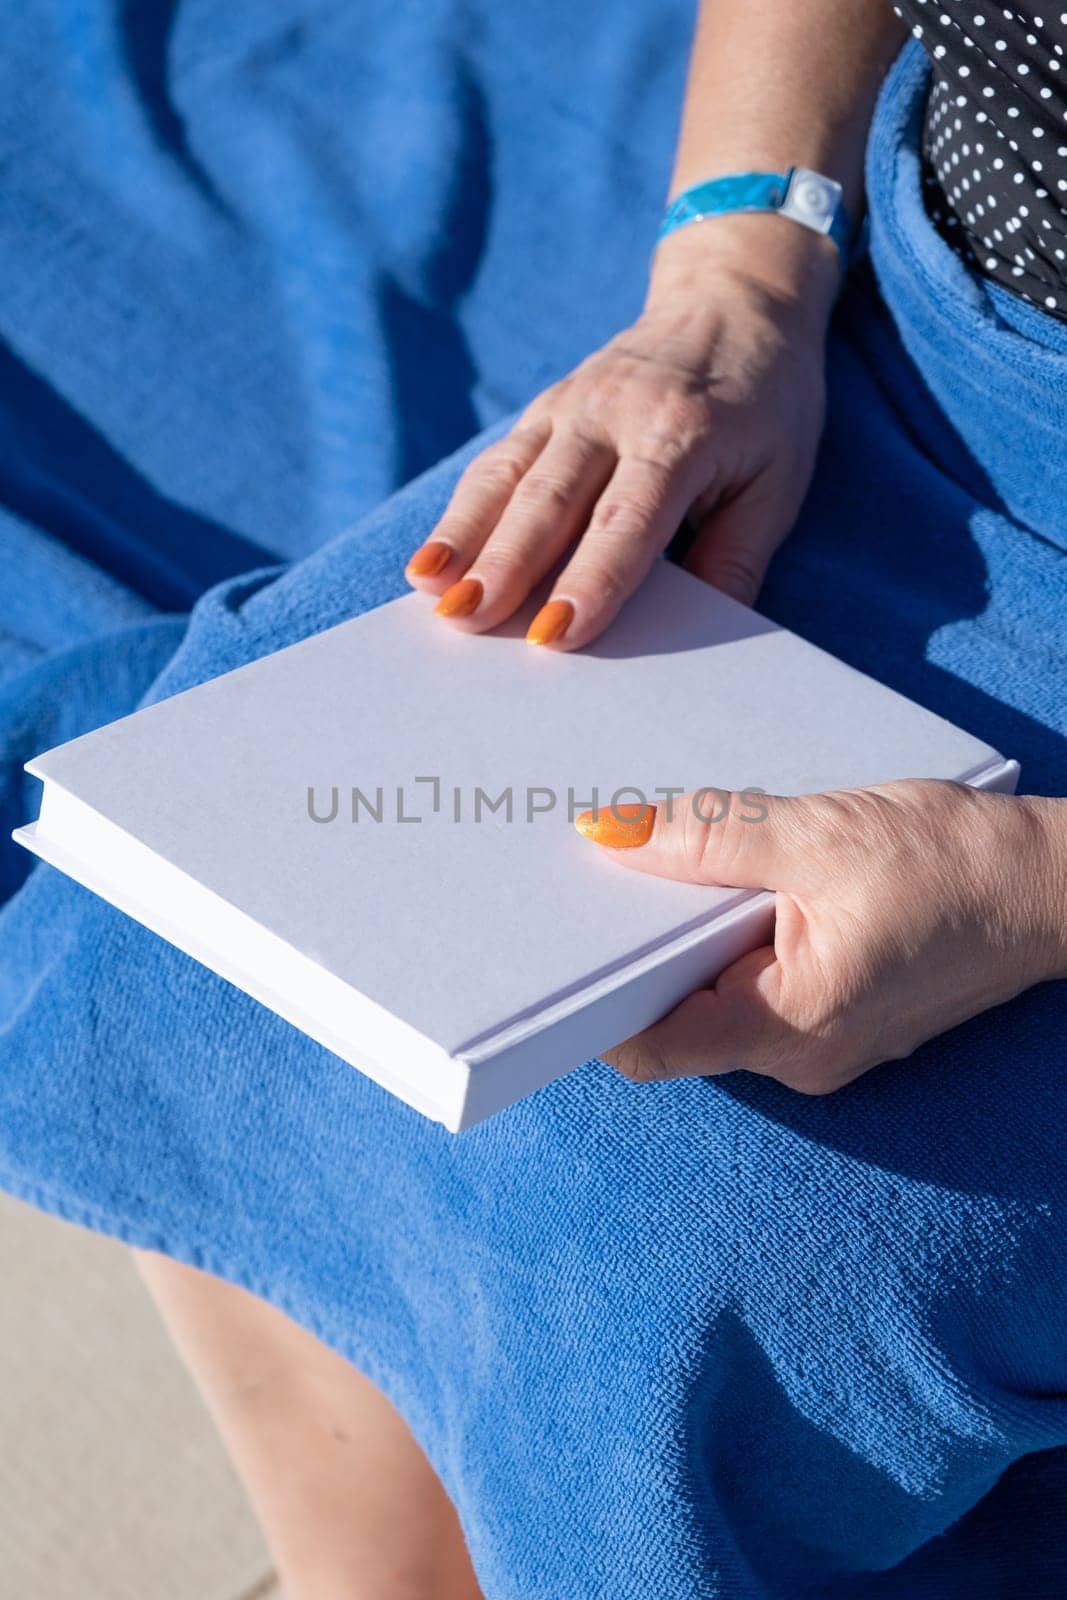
(708, 409)
(901, 910)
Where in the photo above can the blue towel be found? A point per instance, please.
(695, 1340)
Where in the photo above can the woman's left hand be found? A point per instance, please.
(708, 409)
(901, 910)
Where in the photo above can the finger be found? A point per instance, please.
(743, 839)
(740, 1025)
(735, 1025)
(550, 505)
(635, 518)
(478, 500)
(735, 541)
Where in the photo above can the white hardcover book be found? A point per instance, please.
(370, 831)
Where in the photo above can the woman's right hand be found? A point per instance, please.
(709, 409)
(901, 910)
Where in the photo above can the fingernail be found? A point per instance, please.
(618, 827)
(459, 601)
(550, 623)
(432, 558)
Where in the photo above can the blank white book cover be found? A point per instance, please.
(459, 954)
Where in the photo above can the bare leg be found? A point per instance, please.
(350, 1506)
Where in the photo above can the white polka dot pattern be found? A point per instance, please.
(995, 145)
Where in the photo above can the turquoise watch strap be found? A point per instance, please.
(802, 195)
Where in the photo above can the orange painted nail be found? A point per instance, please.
(459, 601)
(432, 558)
(551, 622)
(618, 827)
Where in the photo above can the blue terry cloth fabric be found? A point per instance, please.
(260, 265)
(699, 1340)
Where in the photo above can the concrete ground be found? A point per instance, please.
(113, 1485)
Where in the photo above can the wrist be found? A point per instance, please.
(1017, 864)
(787, 273)
(1046, 873)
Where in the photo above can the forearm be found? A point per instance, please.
(774, 85)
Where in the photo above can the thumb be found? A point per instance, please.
(741, 839)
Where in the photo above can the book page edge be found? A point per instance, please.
(441, 1099)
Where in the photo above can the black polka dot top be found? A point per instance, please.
(995, 145)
